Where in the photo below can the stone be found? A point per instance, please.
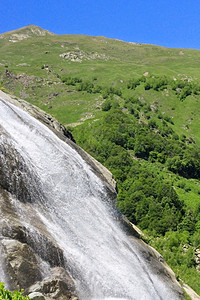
(128, 227)
(58, 286)
(20, 261)
(192, 294)
(36, 296)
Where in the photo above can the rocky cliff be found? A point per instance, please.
(38, 265)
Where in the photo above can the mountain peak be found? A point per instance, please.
(24, 33)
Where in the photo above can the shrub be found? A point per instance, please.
(109, 91)
(6, 294)
(132, 84)
(106, 105)
(68, 80)
(85, 86)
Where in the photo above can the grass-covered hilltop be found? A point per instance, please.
(136, 109)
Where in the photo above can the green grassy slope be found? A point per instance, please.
(110, 62)
(125, 58)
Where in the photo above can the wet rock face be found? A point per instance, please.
(24, 251)
(41, 244)
(13, 173)
(21, 263)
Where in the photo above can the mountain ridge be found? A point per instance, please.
(46, 31)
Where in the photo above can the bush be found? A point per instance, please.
(109, 91)
(85, 86)
(186, 91)
(6, 294)
(132, 84)
(157, 83)
(106, 105)
(68, 80)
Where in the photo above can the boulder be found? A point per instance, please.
(58, 286)
(21, 263)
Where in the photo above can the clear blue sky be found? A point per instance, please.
(170, 23)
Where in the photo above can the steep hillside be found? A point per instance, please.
(33, 62)
(136, 109)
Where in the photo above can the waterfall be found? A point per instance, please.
(73, 204)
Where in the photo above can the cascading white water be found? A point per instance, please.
(71, 202)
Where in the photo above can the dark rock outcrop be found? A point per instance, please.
(24, 250)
